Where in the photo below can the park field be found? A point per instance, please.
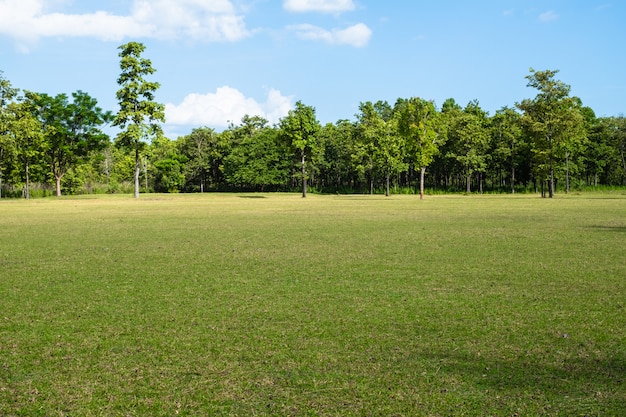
(333, 305)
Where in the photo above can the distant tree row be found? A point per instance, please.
(56, 144)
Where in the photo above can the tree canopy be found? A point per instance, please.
(544, 144)
(139, 114)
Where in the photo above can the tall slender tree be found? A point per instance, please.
(139, 113)
(337, 170)
(419, 123)
(619, 141)
(28, 137)
(552, 119)
(7, 142)
(506, 136)
(467, 132)
(379, 129)
(299, 130)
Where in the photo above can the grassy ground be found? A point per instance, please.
(272, 304)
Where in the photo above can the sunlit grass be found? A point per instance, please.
(270, 304)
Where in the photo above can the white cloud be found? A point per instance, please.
(208, 20)
(211, 20)
(357, 35)
(548, 16)
(226, 105)
(324, 6)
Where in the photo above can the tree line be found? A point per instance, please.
(56, 144)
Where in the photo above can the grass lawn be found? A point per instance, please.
(270, 304)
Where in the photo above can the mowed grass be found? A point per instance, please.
(270, 304)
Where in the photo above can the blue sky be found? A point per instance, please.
(217, 60)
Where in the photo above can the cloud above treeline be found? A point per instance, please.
(216, 20)
(357, 35)
(200, 21)
(27, 21)
(324, 6)
(224, 106)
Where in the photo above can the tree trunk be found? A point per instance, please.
(468, 181)
(387, 183)
(512, 180)
(303, 175)
(551, 185)
(1, 155)
(27, 189)
(58, 184)
(480, 182)
(566, 172)
(137, 170)
(623, 168)
(422, 171)
(145, 173)
(106, 165)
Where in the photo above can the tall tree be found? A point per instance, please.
(573, 146)
(364, 155)
(599, 151)
(336, 168)
(29, 139)
(419, 123)
(72, 129)
(614, 131)
(7, 142)
(619, 139)
(552, 119)
(205, 150)
(468, 135)
(299, 130)
(139, 114)
(506, 135)
(380, 131)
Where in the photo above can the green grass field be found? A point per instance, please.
(270, 304)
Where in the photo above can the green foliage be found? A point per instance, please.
(8, 149)
(381, 144)
(553, 121)
(71, 129)
(139, 113)
(299, 131)
(468, 139)
(336, 168)
(169, 166)
(421, 126)
(205, 151)
(507, 143)
(419, 123)
(27, 134)
(555, 139)
(258, 160)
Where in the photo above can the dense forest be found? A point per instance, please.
(552, 142)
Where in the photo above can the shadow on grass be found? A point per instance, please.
(252, 196)
(603, 380)
(609, 228)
